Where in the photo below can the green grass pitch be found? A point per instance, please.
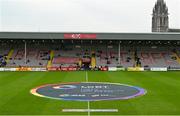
(162, 97)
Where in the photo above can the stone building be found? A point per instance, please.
(160, 18)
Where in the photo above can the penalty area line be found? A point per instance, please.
(90, 110)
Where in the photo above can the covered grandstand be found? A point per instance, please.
(96, 51)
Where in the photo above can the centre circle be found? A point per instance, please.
(88, 91)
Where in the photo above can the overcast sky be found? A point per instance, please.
(82, 15)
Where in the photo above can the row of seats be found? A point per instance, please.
(69, 55)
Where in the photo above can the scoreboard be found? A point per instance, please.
(79, 36)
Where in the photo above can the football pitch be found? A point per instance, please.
(162, 97)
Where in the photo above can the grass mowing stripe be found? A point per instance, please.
(160, 80)
(161, 98)
(115, 104)
(125, 78)
(157, 94)
(11, 77)
(150, 81)
(50, 106)
(13, 89)
(5, 74)
(173, 76)
(56, 106)
(77, 76)
(98, 77)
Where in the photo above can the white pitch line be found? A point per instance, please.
(86, 76)
(91, 110)
(88, 101)
(88, 110)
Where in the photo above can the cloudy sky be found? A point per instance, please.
(82, 15)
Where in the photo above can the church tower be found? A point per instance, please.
(160, 19)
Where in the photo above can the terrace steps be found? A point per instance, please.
(93, 62)
(51, 58)
(9, 55)
(177, 57)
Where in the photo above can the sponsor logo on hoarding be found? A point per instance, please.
(62, 69)
(104, 68)
(135, 69)
(24, 69)
(112, 68)
(158, 69)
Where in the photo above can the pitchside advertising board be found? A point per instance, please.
(158, 69)
(23, 69)
(174, 68)
(79, 36)
(62, 69)
(135, 69)
(75, 68)
(116, 69)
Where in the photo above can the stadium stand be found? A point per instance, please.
(89, 54)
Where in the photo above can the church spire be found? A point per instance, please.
(160, 19)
